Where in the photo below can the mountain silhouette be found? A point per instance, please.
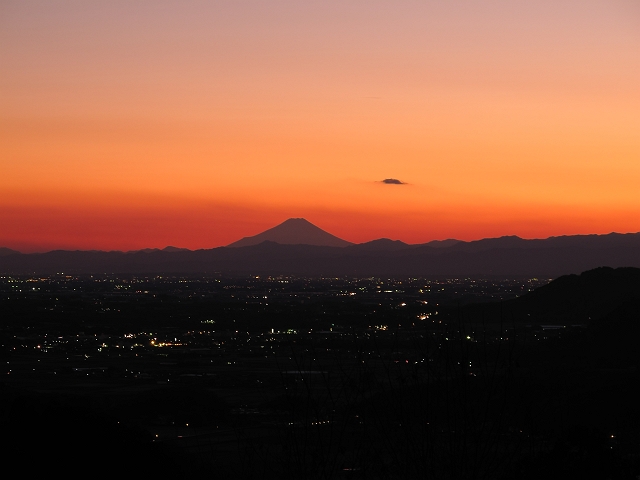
(294, 231)
(297, 247)
(442, 243)
(381, 245)
(175, 249)
(568, 300)
(590, 295)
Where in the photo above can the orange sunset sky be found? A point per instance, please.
(133, 124)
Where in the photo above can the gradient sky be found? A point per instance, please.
(126, 125)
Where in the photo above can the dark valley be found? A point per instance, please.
(325, 377)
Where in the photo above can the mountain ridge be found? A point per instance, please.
(574, 298)
(293, 231)
(543, 259)
(263, 254)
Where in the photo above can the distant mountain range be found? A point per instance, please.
(300, 248)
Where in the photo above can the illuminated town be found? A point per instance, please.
(235, 373)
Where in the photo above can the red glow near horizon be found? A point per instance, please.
(212, 227)
(127, 126)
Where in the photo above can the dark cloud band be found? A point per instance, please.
(393, 181)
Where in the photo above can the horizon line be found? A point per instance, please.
(71, 249)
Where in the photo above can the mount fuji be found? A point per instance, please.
(294, 231)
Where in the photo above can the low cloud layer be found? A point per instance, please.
(393, 181)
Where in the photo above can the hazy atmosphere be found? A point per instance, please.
(127, 125)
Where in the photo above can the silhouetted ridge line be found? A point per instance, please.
(294, 231)
(506, 256)
(569, 300)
